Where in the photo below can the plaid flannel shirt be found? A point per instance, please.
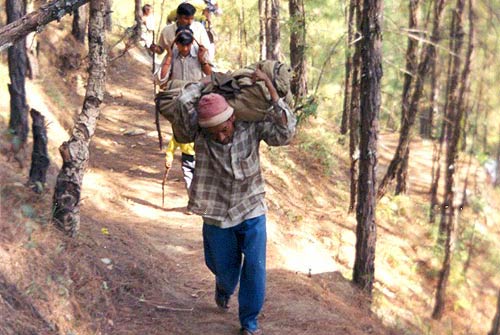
(227, 183)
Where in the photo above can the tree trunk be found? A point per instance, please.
(18, 64)
(75, 152)
(272, 29)
(348, 65)
(429, 54)
(497, 179)
(79, 27)
(495, 326)
(402, 174)
(108, 21)
(275, 29)
(268, 39)
(35, 21)
(298, 48)
(411, 69)
(354, 109)
(138, 20)
(371, 60)
(456, 115)
(469, 164)
(262, 29)
(39, 157)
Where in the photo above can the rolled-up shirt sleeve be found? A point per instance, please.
(273, 130)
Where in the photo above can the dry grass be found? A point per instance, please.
(137, 268)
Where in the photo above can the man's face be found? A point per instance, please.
(223, 133)
(183, 20)
(184, 50)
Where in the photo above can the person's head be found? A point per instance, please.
(184, 40)
(146, 9)
(216, 118)
(185, 14)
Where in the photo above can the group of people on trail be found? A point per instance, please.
(225, 187)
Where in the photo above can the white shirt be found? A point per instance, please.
(167, 36)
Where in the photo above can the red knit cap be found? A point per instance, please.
(213, 110)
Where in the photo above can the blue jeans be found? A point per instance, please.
(224, 249)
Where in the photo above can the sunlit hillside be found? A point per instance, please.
(137, 266)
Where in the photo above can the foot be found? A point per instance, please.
(257, 331)
(221, 299)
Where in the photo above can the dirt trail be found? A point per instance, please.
(122, 193)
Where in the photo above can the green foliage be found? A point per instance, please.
(477, 203)
(319, 147)
(306, 108)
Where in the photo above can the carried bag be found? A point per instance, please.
(250, 101)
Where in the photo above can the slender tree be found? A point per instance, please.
(39, 157)
(108, 18)
(354, 109)
(18, 63)
(429, 54)
(262, 29)
(350, 22)
(34, 21)
(298, 48)
(79, 26)
(411, 69)
(371, 60)
(495, 326)
(138, 20)
(75, 151)
(272, 29)
(456, 116)
(497, 180)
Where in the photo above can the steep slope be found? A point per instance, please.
(137, 268)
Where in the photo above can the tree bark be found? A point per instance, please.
(354, 110)
(298, 48)
(275, 29)
(456, 115)
(348, 67)
(108, 18)
(39, 157)
(262, 29)
(138, 20)
(79, 26)
(497, 179)
(495, 326)
(371, 60)
(411, 69)
(429, 54)
(18, 63)
(75, 152)
(35, 21)
(272, 29)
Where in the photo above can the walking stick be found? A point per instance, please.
(165, 175)
(157, 102)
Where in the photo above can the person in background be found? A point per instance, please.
(186, 61)
(189, 63)
(148, 25)
(185, 17)
(228, 191)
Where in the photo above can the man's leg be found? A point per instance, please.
(188, 164)
(253, 275)
(223, 258)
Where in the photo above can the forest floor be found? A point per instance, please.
(137, 267)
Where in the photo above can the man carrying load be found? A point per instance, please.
(228, 190)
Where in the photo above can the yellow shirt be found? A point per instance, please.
(186, 148)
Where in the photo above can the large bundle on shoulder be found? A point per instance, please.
(250, 101)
